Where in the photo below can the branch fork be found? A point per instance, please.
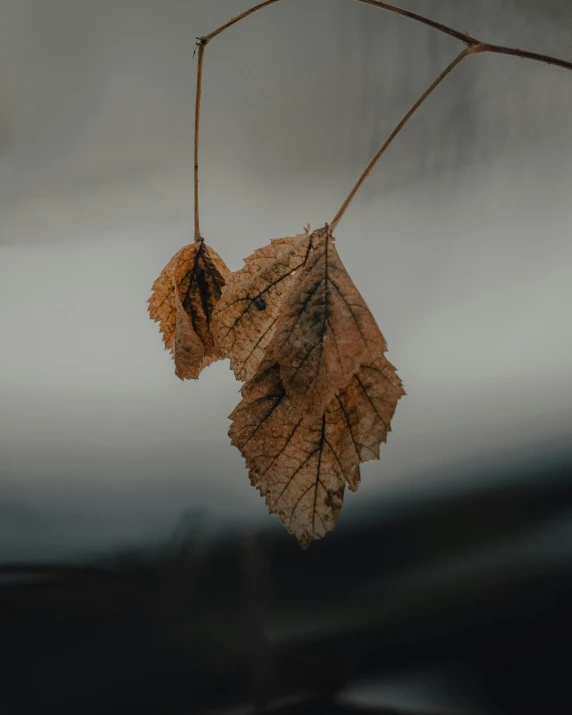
(472, 47)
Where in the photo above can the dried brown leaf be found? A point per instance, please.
(361, 414)
(324, 331)
(244, 319)
(301, 467)
(183, 300)
(188, 349)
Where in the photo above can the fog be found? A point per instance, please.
(459, 242)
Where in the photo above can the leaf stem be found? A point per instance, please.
(198, 94)
(450, 67)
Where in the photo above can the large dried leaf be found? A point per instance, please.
(324, 331)
(244, 319)
(301, 467)
(183, 300)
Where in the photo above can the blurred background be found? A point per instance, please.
(459, 242)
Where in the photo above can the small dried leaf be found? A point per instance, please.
(183, 300)
(244, 319)
(301, 467)
(325, 330)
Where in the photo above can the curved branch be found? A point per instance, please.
(464, 37)
(205, 39)
(473, 46)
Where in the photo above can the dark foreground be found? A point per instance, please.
(454, 604)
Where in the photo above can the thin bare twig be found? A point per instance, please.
(523, 54)
(450, 67)
(462, 36)
(205, 39)
(467, 39)
(473, 46)
(198, 93)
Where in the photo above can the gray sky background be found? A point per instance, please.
(460, 241)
